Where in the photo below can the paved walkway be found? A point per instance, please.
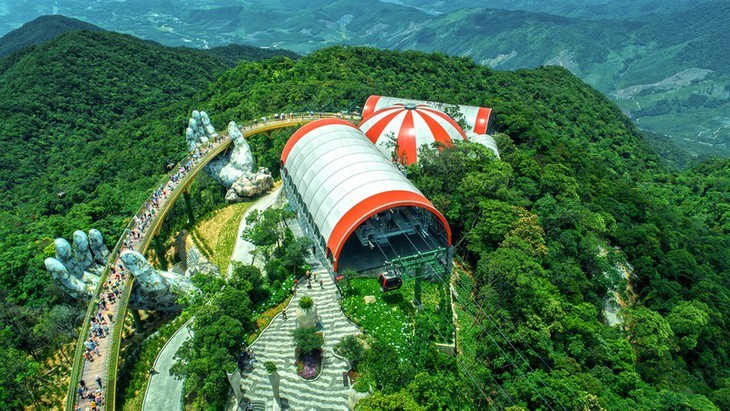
(164, 392)
(100, 364)
(276, 344)
(242, 250)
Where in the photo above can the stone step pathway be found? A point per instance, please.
(276, 344)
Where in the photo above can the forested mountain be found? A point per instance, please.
(46, 28)
(663, 62)
(588, 9)
(74, 112)
(585, 181)
(39, 31)
(99, 115)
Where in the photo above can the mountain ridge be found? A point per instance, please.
(100, 115)
(40, 30)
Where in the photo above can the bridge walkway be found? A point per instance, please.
(144, 225)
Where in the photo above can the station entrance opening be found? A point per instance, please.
(390, 235)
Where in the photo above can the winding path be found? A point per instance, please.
(164, 392)
(242, 250)
(276, 344)
(106, 368)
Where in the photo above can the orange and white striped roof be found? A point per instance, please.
(477, 119)
(343, 180)
(412, 126)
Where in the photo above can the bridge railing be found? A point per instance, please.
(78, 361)
(251, 127)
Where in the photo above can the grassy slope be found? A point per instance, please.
(218, 231)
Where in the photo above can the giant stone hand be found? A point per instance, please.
(229, 166)
(234, 169)
(154, 289)
(72, 285)
(98, 248)
(76, 269)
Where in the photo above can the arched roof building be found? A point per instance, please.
(478, 119)
(410, 126)
(486, 140)
(341, 184)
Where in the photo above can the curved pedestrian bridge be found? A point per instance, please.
(104, 365)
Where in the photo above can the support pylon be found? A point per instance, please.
(137, 320)
(189, 207)
(160, 251)
(417, 287)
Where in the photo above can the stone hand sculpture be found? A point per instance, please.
(233, 169)
(69, 283)
(199, 130)
(76, 269)
(154, 289)
(233, 164)
(98, 248)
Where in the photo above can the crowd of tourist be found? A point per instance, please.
(100, 323)
(99, 327)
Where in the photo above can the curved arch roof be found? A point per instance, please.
(343, 180)
(486, 140)
(477, 119)
(412, 126)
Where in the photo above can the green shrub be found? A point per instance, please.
(270, 367)
(351, 348)
(306, 302)
(308, 340)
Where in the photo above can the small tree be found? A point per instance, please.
(345, 285)
(308, 340)
(351, 348)
(306, 303)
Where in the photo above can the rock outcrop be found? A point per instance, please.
(250, 186)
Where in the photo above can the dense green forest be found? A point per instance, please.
(576, 177)
(75, 111)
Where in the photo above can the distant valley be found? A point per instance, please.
(664, 63)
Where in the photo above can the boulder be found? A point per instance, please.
(232, 197)
(244, 187)
(250, 185)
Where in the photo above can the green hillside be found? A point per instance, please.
(576, 163)
(99, 115)
(39, 31)
(75, 119)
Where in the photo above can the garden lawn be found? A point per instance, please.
(217, 233)
(390, 318)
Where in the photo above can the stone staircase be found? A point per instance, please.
(276, 344)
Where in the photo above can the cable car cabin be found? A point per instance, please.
(389, 282)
